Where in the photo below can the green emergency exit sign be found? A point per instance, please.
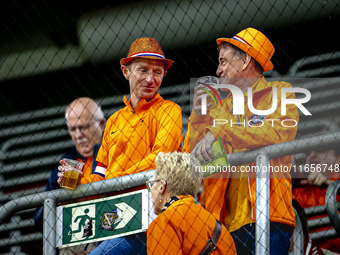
(101, 219)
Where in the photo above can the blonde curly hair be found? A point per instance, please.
(182, 173)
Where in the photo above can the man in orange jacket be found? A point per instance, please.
(231, 197)
(134, 135)
(147, 125)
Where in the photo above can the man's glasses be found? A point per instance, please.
(82, 128)
(149, 184)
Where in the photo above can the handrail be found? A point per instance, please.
(62, 195)
(262, 225)
(285, 149)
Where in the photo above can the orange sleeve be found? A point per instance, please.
(186, 147)
(162, 238)
(197, 127)
(87, 169)
(102, 155)
(87, 173)
(226, 243)
(91, 178)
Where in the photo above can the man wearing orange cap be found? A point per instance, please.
(231, 197)
(134, 135)
(147, 125)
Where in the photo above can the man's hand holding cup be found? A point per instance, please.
(69, 172)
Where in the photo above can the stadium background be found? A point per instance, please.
(54, 51)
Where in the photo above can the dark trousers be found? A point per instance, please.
(128, 245)
(280, 235)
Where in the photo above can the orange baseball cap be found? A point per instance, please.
(147, 48)
(255, 44)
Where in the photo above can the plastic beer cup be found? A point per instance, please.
(71, 174)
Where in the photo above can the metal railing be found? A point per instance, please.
(261, 156)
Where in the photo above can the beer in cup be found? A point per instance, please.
(71, 174)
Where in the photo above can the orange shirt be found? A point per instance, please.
(184, 228)
(310, 196)
(133, 137)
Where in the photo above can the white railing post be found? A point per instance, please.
(49, 235)
(262, 225)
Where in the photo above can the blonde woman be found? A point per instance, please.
(182, 225)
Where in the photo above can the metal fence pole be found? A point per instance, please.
(262, 225)
(49, 237)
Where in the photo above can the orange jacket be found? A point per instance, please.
(242, 137)
(133, 137)
(87, 169)
(310, 195)
(184, 228)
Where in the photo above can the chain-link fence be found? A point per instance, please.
(56, 51)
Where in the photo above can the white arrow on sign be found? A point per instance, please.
(127, 214)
